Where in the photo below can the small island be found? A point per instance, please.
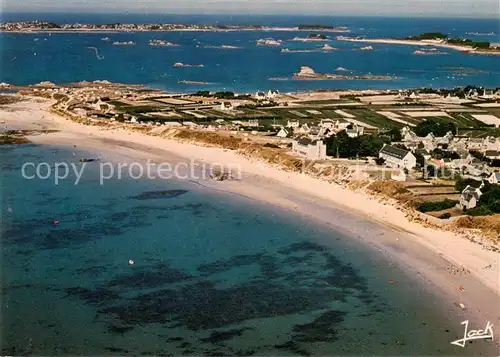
(307, 73)
(183, 65)
(161, 43)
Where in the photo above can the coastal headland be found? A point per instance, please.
(42, 26)
(455, 262)
(434, 40)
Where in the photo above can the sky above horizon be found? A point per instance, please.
(432, 8)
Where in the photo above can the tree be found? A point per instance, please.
(394, 134)
(478, 155)
(440, 154)
(461, 184)
(361, 146)
(420, 159)
(431, 171)
(380, 161)
(495, 163)
(438, 127)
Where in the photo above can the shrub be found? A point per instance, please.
(494, 207)
(269, 145)
(445, 216)
(479, 211)
(437, 206)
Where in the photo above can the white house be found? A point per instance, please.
(327, 123)
(468, 200)
(397, 157)
(292, 124)
(408, 135)
(303, 129)
(355, 131)
(310, 149)
(253, 122)
(283, 133)
(226, 106)
(494, 178)
(271, 94)
(470, 195)
(260, 95)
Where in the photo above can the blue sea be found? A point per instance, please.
(214, 274)
(66, 57)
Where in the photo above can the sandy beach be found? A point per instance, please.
(442, 260)
(467, 49)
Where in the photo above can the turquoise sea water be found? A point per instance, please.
(214, 275)
(69, 57)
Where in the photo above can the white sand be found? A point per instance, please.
(427, 253)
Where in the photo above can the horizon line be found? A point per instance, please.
(418, 15)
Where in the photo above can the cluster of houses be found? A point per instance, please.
(308, 140)
(270, 95)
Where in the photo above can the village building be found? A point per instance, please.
(492, 154)
(397, 157)
(355, 131)
(272, 94)
(310, 149)
(476, 144)
(260, 96)
(492, 143)
(226, 106)
(327, 123)
(494, 179)
(253, 122)
(470, 195)
(284, 133)
(292, 124)
(303, 129)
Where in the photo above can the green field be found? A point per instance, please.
(372, 118)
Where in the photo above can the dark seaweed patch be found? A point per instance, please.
(151, 195)
(175, 339)
(154, 277)
(293, 347)
(175, 298)
(119, 329)
(321, 329)
(92, 271)
(115, 349)
(302, 247)
(218, 336)
(225, 265)
(95, 297)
